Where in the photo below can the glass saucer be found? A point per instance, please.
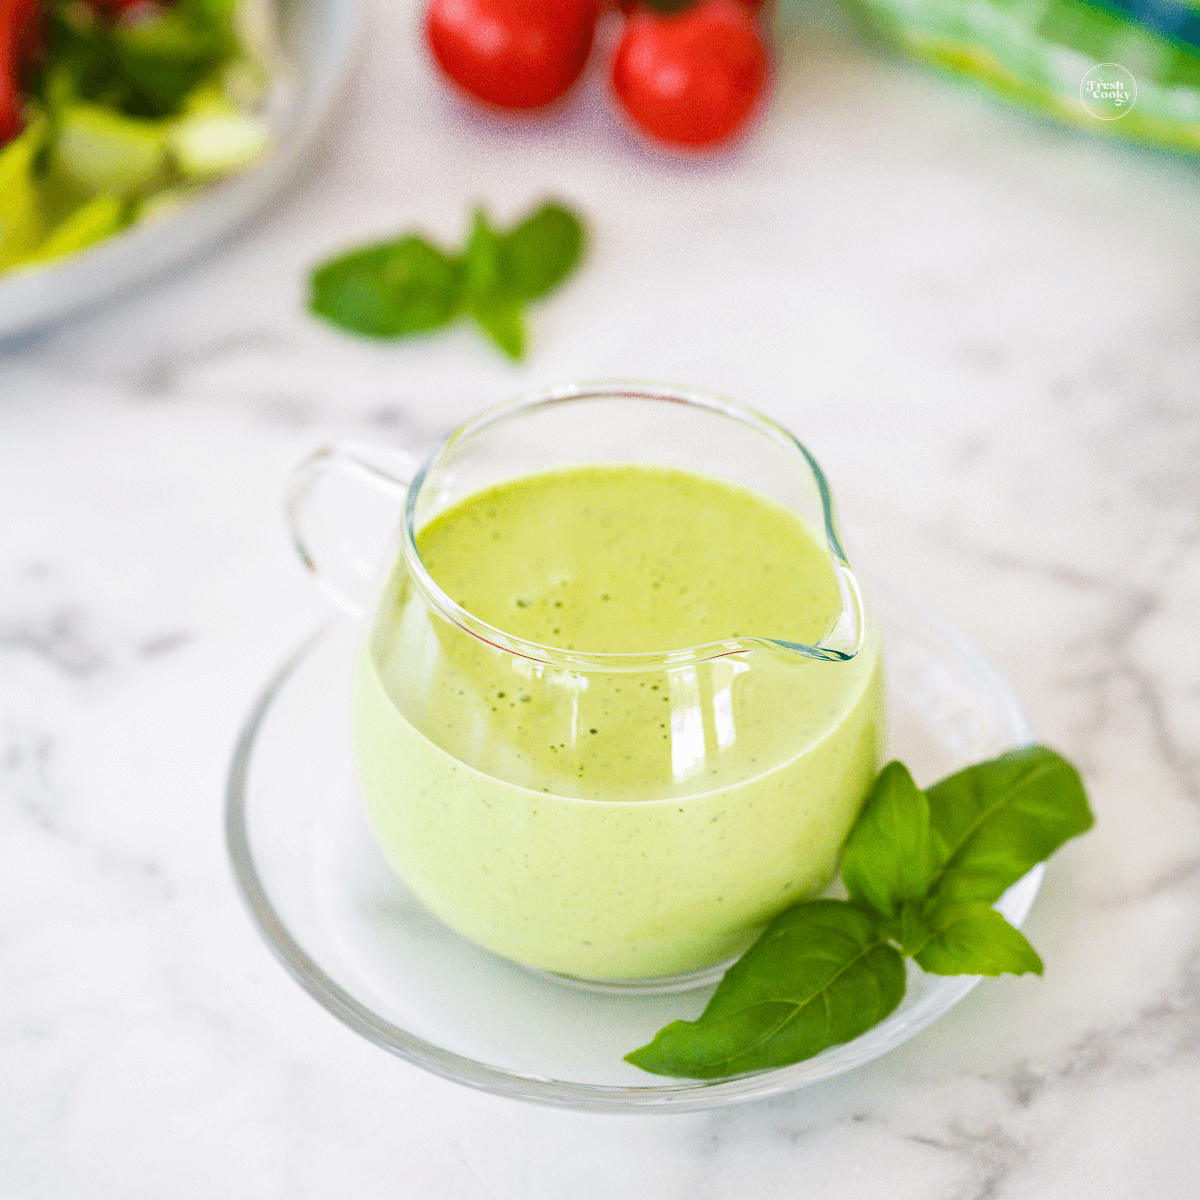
(355, 939)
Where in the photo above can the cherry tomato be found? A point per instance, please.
(20, 22)
(512, 53)
(691, 78)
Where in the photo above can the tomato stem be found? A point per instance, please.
(665, 6)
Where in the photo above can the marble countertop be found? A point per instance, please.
(988, 331)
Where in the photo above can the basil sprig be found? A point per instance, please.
(409, 286)
(922, 869)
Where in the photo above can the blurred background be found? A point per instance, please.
(974, 299)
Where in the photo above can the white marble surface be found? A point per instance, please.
(986, 328)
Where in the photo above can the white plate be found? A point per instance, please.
(351, 934)
(319, 38)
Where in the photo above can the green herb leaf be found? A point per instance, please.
(486, 290)
(504, 325)
(501, 272)
(389, 290)
(971, 938)
(821, 973)
(911, 929)
(408, 286)
(998, 819)
(922, 869)
(893, 854)
(483, 268)
(541, 252)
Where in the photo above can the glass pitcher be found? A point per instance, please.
(620, 820)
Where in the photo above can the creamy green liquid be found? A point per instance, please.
(618, 825)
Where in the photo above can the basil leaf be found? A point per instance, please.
(408, 286)
(922, 869)
(503, 324)
(893, 854)
(541, 252)
(388, 290)
(821, 973)
(972, 938)
(503, 271)
(911, 928)
(486, 292)
(483, 268)
(1000, 818)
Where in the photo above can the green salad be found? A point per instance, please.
(114, 110)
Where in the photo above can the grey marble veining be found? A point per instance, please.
(985, 328)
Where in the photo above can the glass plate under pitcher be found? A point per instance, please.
(351, 934)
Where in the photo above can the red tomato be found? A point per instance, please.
(693, 77)
(20, 22)
(512, 53)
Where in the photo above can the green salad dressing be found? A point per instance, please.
(614, 824)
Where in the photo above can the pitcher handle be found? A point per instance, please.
(344, 560)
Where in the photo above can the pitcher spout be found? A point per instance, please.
(847, 634)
